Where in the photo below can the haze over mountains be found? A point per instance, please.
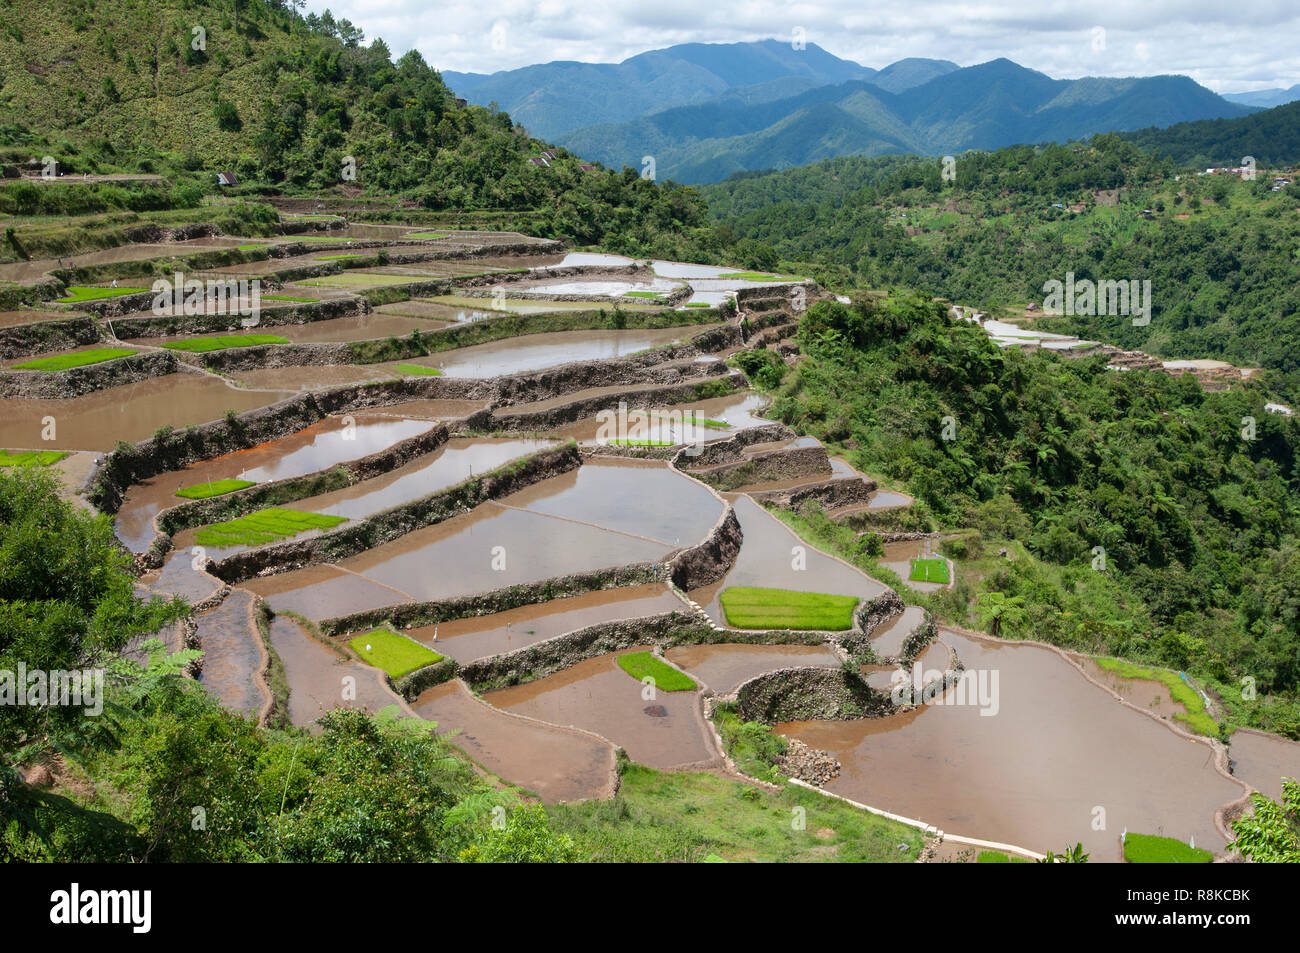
(1266, 98)
(707, 111)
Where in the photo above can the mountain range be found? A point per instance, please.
(1265, 98)
(706, 111)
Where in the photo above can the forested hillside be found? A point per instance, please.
(1221, 253)
(1199, 527)
(251, 86)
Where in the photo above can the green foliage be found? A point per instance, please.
(202, 491)
(1222, 282)
(264, 526)
(747, 607)
(76, 294)
(1271, 834)
(30, 458)
(395, 654)
(1196, 717)
(525, 839)
(929, 570)
(1200, 527)
(1150, 849)
(753, 746)
(417, 370)
(217, 342)
(63, 362)
(689, 817)
(642, 665)
(763, 367)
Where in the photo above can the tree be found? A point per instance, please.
(1271, 834)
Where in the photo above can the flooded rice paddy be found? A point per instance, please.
(1034, 773)
(772, 557)
(130, 412)
(660, 729)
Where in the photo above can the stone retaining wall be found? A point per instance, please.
(810, 694)
(731, 449)
(838, 491)
(709, 561)
(869, 617)
(40, 337)
(770, 466)
(150, 326)
(415, 614)
(75, 381)
(231, 505)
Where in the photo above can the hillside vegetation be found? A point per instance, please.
(1221, 253)
(285, 102)
(1199, 527)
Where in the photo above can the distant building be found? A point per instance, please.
(227, 178)
(1279, 409)
(461, 103)
(587, 167)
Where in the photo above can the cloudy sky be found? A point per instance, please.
(1227, 46)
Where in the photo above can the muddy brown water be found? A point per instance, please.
(642, 498)
(313, 378)
(130, 412)
(1032, 774)
(457, 557)
(533, 352)
(768, 557)
(468, 639)
(431, 409)
(322, 445)
(322, 592)
(9, 319)
(1142, 692)
(666, 422)
(321, 679)
(664, 731)
(179, 577)
(1263, 760)
(724, 667)
(456, 461)
(359, 327)
(232, 653)
(887, 640)
(559, 764)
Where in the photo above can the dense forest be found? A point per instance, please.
(289, 104)
(1198, 521)
(1220, 251)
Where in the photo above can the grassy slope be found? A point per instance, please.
(660, 816)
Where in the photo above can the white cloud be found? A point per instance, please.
(1227, 47)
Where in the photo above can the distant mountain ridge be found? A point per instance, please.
(707, 111)
(550, 99)
(988, 106)
(1265, 98)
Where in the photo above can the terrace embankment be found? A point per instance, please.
(40, 337)
(363, 535)
(228, 506)
(172, 450)
(76, 381)
(155, 326)
(802, 694)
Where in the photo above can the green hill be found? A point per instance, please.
(187, 89)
